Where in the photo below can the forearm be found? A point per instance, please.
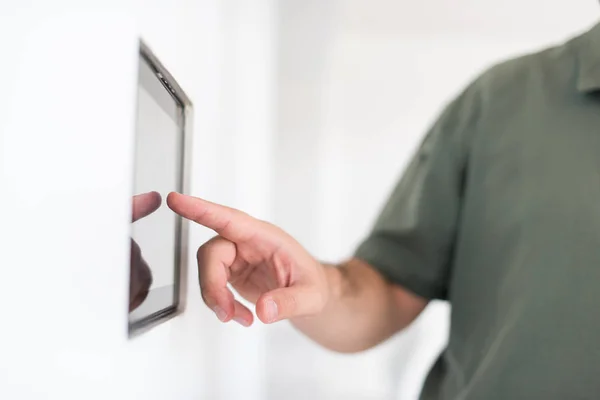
(363, 310)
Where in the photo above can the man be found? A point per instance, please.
(498, 213)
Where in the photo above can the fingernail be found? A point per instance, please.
(242, 322)
(221, 314)
(271, 310)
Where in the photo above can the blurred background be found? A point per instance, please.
(306, 113)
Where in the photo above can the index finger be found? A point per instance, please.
(232, 224)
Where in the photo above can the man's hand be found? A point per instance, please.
(140, 276)
(263, 264)
(347, 308)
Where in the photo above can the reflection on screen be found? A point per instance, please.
(159, 135)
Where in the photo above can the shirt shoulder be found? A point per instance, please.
(550, 69)
(509, 88)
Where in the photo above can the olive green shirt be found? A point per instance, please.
(499, 213)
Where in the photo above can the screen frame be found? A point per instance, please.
(181, 256)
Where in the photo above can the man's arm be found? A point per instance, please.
(363, 309)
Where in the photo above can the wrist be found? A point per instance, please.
(337, 282)
(330, 284)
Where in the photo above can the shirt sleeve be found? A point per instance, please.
(412, 242)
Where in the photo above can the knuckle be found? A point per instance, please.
(208, 297)
(224, 225)
(204, 250)
(200, 253)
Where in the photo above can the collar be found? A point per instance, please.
(588, 49)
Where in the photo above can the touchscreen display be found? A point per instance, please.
(158, 170)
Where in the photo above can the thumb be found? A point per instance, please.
(289, 302)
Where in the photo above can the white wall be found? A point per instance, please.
(358, 84)
(67, 114)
